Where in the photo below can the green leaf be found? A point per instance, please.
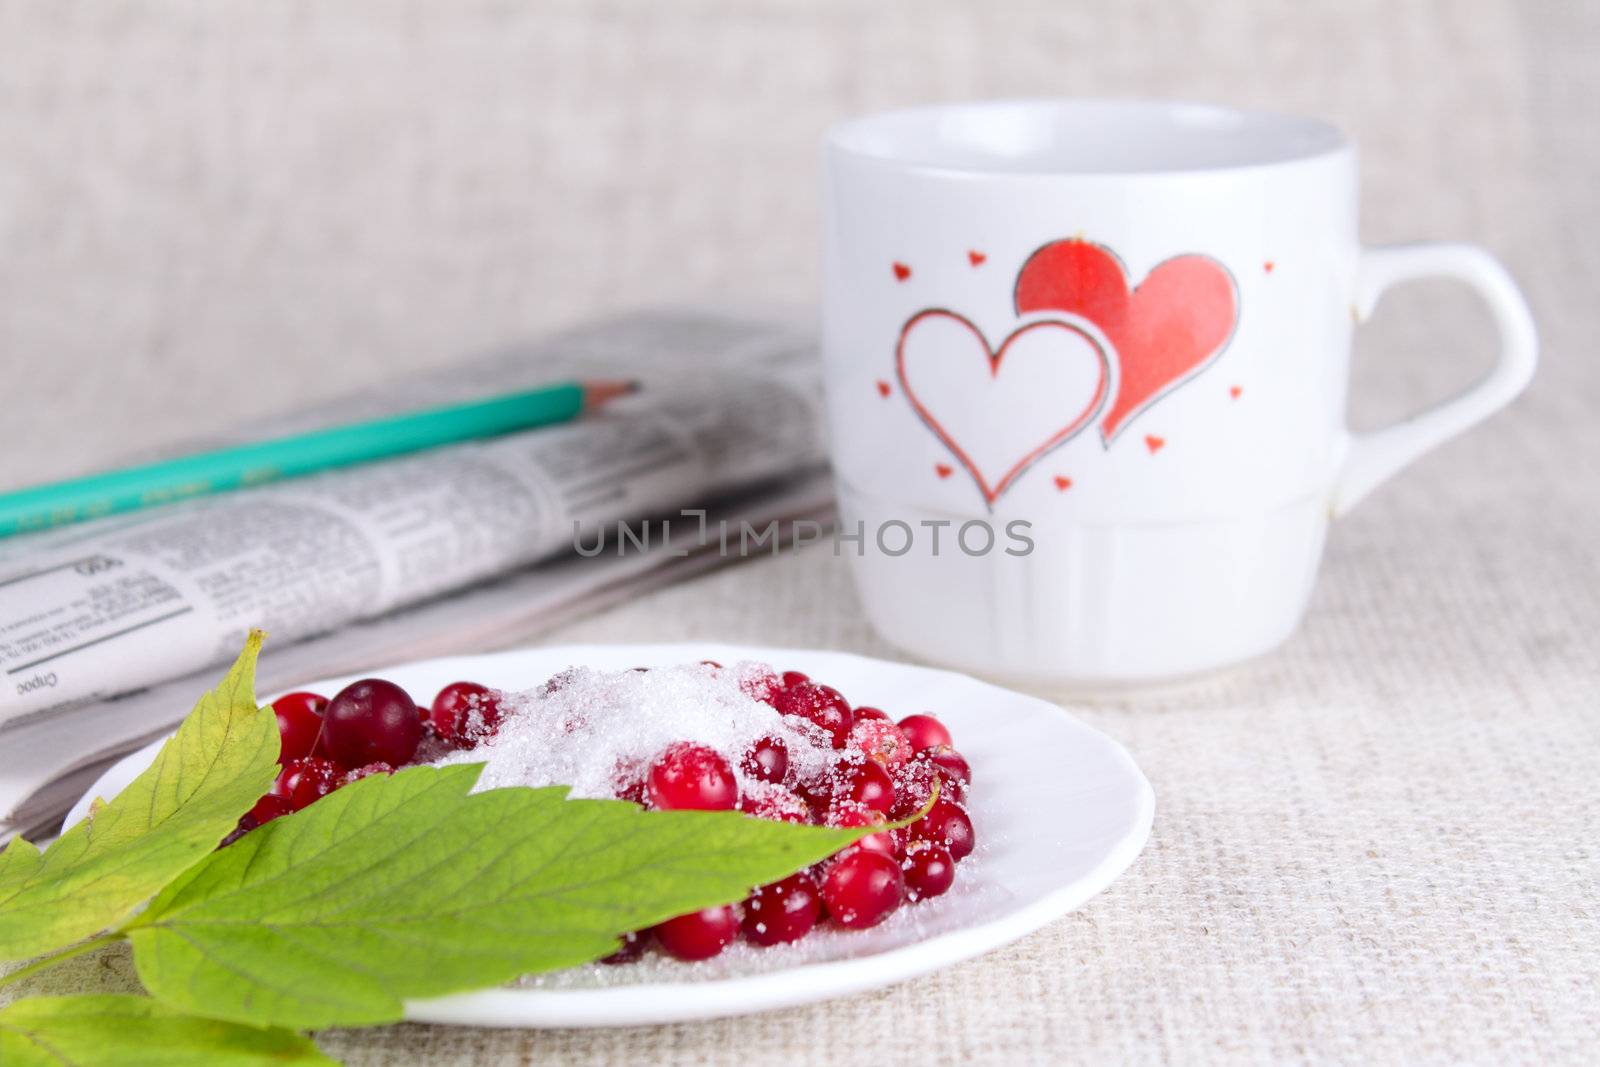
(221, 759)
(130, 1031)
(409, 886)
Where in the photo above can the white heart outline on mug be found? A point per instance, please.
(1097, 402)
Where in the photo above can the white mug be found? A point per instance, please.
(1116, 337)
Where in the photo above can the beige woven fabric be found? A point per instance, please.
(1377, 845)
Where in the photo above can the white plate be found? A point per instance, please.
(1060, 811)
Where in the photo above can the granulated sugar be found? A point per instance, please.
(595, 730)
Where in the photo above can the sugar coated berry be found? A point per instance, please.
(865, 712)
(951, 763)
(913, 785)
(862, 888)
(880, 741)
(774, 802)
(850, 815)
(299, 724)
(913, 788)
(692, 777)
(371, 721)
(699, 935)
(793, 678)
(465, 713)
(822, 786)
(633, 946)
(782, 912)
(929, 870)
(268, 808)
(924, 731)
(947, 823)
(304, 781)
(761, 685)
(820, 704)
(767, 760)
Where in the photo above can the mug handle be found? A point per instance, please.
(1372, 458)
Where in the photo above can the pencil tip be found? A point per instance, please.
(597, 394)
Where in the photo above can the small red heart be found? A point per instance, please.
(883, 388)
(943, 470)
(1153, 443)
(1268, 265)
(1063, 484)
(1235, 390)
(901, 271)
(976, 258)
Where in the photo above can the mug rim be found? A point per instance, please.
(1012, 138)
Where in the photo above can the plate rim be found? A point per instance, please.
(655, 1003)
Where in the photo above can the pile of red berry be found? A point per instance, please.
(840, 766)
(369, 727)
(882, 771)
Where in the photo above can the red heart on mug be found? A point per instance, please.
(1165, 330)
(999, 409)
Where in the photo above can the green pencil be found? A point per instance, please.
(59, 503)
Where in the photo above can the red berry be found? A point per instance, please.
(793, 678)
(761, 685)
(365, 772)
(699, 935)
(929, 870)
(819, 704)
(951, 763)
(869, 784)
(947, 824)
(299, 724)
(914, 786)
(774, 802)
(925, 731)
(465, 713)
(265, 810)
(783, 911)
(371, 721)
(692, 777)
(633, 946)
(850, 815)
(304, 781)
(818, 796)
(872, 713)
(880, 741)
(268, 808)
(767, 760)
(862, 888)
(820, 789)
